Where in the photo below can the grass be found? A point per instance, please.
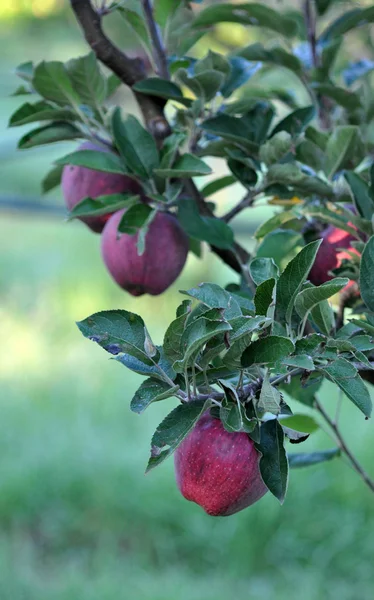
(78, 519)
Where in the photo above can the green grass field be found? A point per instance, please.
(78, 518)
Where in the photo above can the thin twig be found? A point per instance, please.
(159, 52)
(310, 23)
(323, 103)
(246, 202)
(343, 446)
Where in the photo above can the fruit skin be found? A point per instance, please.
(328, 256)
(218, 470)
(79, 183)
(166, 249)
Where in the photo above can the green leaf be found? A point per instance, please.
(307, 299)
(241, 71)
(363, 325)
(151, 390)
(51, 80)
(276, 148)
(243, 171)
(135, 144)
(195, 336)
(186, 166)
(239, 337)
(367, 274)
(230, 128)
(274, 223)
(214, 296)
(22, 90)
(173, 429)
(232, 413)
(363, 194)
(273, 462)
(270, 398)
(211, 82)
(307, 459)
(323, 317)
(206, 229)
(293, 277)
(345, 98)
(173, 337)
(333, 218)
(300, 362)
(276, 55)
(341, 147)
(310, 344)
(164, 10)
(25, 71)
(278, 245)
(234, 418)
(102, 205)
(156, 371)
(135, 20)
(217, 185)
(56, 132)
(300, 422)
(254, 14)
(108, 162)
(161, 88)
(88, 80)
(52, 179)
(295, 437)
(264, 296)
(347, 21)
(267, 350)
(134, 218)
(344, 375)
(39, 111)
(213, 62)
(262, 269)
(118, 331)
(296, 122)
(308, 153)
(291, 175)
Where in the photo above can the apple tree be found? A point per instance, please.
(290, 119)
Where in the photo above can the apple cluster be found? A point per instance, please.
(166, 246)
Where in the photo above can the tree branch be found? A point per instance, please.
(129, 70)
(343, 446)
(246, 202)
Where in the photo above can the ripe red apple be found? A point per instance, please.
(218, 470)
(79, 183)
(166, 249)
(328, 256)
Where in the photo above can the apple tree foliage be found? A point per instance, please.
(304, 146)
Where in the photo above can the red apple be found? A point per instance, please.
(79, 183)
(166, 249)
(218, 470)
(328, 256)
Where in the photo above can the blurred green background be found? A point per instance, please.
(78, 519)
